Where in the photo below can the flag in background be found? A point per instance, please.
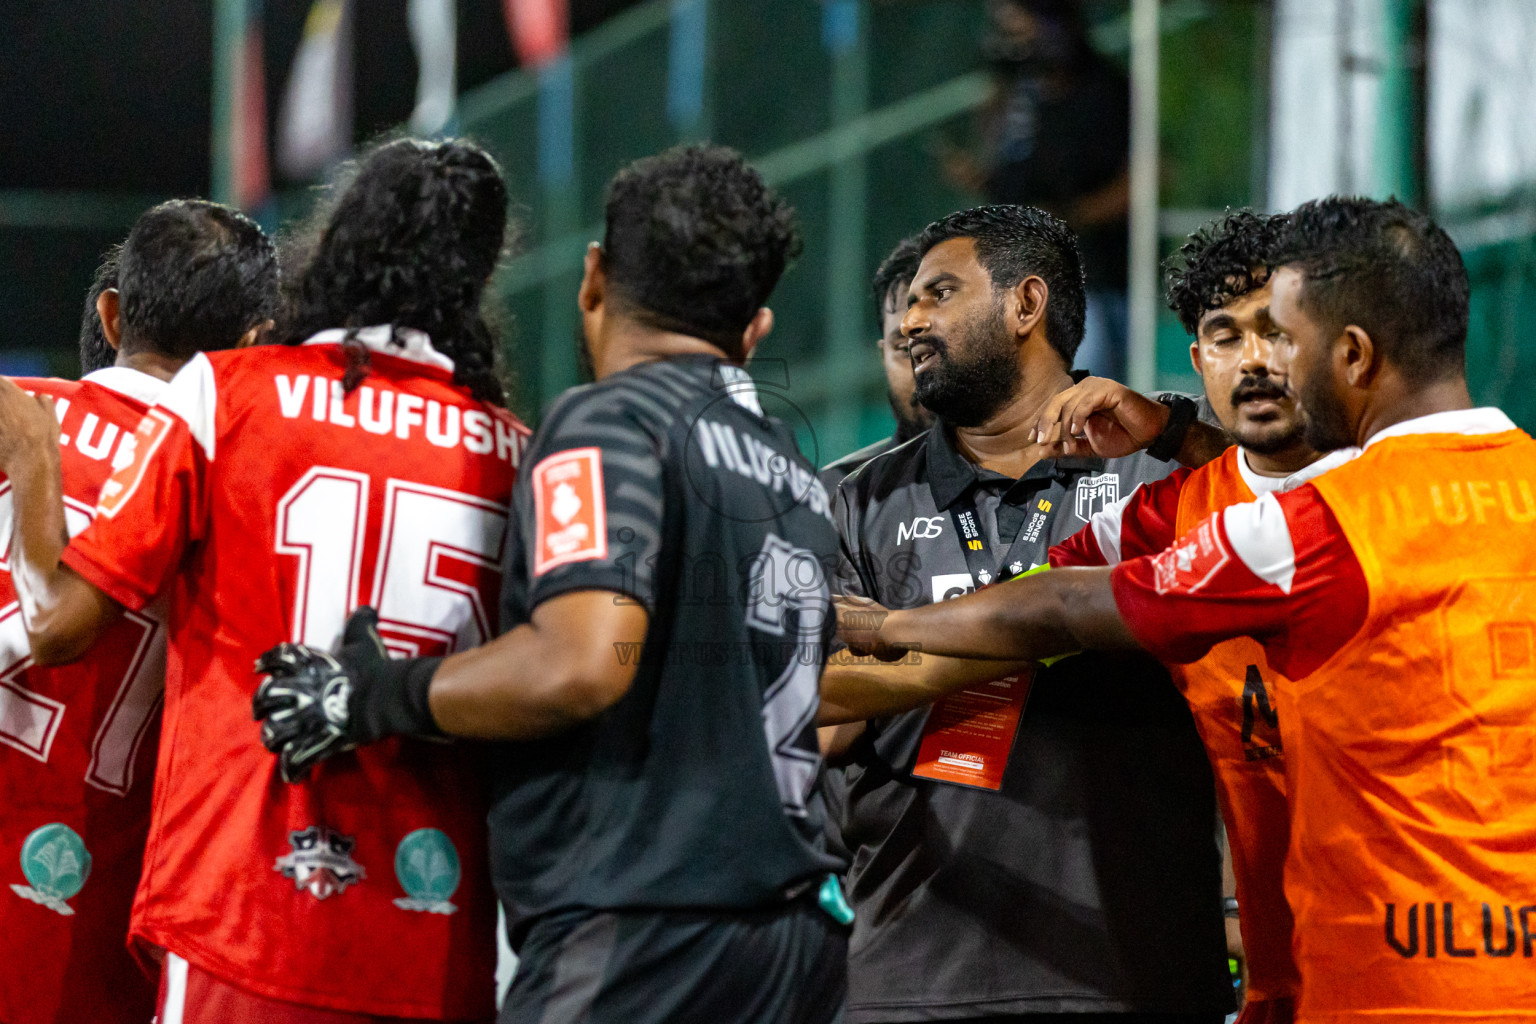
(540, 29)
(241, 176)
(434, 36)
(248, 141)
(315, 124)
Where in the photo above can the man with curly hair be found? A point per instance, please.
(657, 834)
(1219, 285)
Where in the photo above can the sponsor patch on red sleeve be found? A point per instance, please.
(130, 461)
(1192, 560)
(569, 513)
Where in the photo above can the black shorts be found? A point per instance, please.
(784, 965)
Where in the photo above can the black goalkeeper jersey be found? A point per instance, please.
(667, 485)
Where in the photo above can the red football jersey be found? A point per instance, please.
(266, 504)
(76, 758)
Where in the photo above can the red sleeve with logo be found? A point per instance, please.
(133, 547)
(1278, 569)
(1140, 524)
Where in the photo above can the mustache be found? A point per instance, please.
(1259, 387)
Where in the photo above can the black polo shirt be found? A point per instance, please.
(1091, 880)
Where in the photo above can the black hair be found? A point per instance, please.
(1222, 261)
(696, 242)
(1389, 270)
(1015, 242)
(410, 239)
(194, 276)
(95, 353)
(895, 271)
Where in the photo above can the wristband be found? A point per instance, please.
(1182, 414)
(392, 701)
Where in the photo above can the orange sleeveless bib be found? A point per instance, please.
(1413, 750)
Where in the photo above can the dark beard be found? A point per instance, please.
(1327, 426)
(970, 392)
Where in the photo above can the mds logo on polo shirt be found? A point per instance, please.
(921, 528)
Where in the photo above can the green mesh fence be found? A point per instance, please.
(844, 104)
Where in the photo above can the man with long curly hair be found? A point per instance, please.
(269, 493)
(657, 834)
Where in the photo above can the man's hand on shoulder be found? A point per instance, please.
(29, 427)
(313, 706)
(1100, 417)
(1103, 417)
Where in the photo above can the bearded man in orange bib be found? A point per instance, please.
(1396, 597)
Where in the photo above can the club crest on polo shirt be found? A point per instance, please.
(1095, 493)
(56, 863)
(320, 861)
(427, 866)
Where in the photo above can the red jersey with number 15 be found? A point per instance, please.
(267, 504)
(77, 749)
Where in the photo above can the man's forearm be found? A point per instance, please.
(61, 611)
(509, 689)
(1203, 442)
(854, 689)
(571, 663)
(1027, 619)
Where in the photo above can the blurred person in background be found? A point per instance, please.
(890, 290)
(78, 742)
(1056, 134)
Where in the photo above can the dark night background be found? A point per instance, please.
(114, 97)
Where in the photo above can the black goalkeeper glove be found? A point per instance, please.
(313, 706)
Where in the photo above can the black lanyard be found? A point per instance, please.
(973, 539)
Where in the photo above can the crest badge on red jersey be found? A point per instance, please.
(569, 511)
(321, 862)
(1192, 561)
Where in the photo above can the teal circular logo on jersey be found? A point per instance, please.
(428, 868)
(55, 861)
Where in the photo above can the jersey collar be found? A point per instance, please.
(401, 342)
(135, 384)
(1484, 420)
(1262, 485)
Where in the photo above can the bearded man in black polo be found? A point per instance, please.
(1032, 849)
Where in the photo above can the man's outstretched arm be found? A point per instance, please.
(1026, 619)
(576, 658)
(62, 612)
(857, 689)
